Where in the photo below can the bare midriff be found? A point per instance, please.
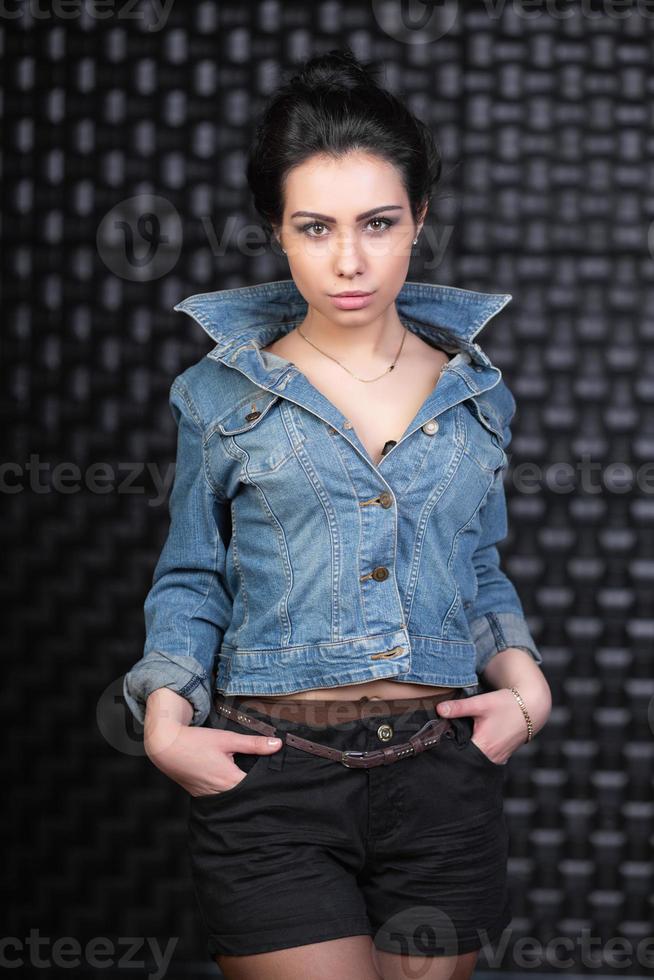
(374, 690)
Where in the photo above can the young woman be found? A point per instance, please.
(331, 574)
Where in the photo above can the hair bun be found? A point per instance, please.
(332, 105)
(338, 68)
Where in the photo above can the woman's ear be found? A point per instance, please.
(276, 233)
(422, 214)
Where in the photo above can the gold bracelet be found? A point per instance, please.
(530, 727)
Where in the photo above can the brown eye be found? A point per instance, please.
(385, 223)
(313, 224)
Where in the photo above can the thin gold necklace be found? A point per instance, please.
(366, 380)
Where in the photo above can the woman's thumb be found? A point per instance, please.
(450, 709)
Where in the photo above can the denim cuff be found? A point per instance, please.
(182, 674)
(494, 632)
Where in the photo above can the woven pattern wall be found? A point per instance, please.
(123, 191)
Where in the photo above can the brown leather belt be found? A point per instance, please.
(430, 734)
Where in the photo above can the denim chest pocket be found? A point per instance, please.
(484, 440)
(263, 433)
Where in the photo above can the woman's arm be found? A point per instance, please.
(496, 617)
(507, 654)
(516, 668)
(499, 725)
(188, 606)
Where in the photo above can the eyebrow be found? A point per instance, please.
(359, 217)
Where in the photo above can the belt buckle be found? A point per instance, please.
(357, 755)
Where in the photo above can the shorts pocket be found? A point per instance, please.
(465, 726)
(482, 755)
(251, 763)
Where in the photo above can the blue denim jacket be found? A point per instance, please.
(292, 561)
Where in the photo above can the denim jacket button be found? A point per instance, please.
(431, 427)
(386, 499)
(251, 416)
(380, 573)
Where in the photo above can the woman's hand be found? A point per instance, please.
(199, 759)
(499, 726)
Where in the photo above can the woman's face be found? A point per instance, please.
(347, 226)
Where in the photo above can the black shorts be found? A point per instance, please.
(304, 849)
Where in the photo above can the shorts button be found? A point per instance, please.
(385, 732)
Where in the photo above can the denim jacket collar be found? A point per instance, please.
(237, 317)
(241, 321)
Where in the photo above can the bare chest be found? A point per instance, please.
(380, 410)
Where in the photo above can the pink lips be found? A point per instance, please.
(351, 301)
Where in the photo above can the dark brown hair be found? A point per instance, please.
(333, 105)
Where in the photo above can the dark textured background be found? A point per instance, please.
(545, 125)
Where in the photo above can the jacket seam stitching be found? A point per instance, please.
(496, 627)
(217, 491)
(212, 572)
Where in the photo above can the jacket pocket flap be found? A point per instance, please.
(247, 413)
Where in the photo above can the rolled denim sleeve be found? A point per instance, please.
(188, 606)
(496, 616)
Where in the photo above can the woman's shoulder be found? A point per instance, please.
(212, 390)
